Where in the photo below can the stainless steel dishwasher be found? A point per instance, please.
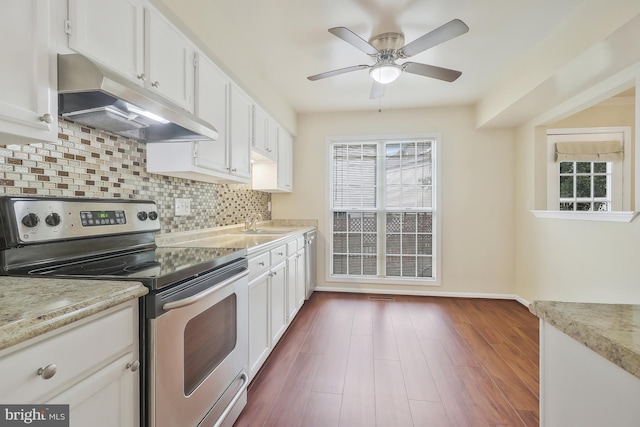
(311, 258)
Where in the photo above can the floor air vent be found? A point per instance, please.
(381, 299)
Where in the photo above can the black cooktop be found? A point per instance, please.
(155, 267)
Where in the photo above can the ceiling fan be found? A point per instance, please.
(386, 48)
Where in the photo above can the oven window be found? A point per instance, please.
(208, 339)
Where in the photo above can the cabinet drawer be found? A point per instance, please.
(292, 247)
(278, 254)
(300, 242)
(76, 353)
(258, 264)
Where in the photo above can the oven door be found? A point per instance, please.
(198, 353)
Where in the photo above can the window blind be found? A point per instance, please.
(589, 151)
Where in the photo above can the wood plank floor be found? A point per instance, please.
(352, 360)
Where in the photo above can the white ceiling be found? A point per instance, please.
(278, 43)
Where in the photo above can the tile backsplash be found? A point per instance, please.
(85, 162)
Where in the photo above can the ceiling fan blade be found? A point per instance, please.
(441, 34)
(377, 90)
(353, 39)
(432, 71)
(337, 72)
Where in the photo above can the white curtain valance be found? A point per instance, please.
(591, 151)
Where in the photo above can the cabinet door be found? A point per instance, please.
(278, 306)
(292, 300)
(108, 398)
(300, 278)
(169, 60)
(28, 103)
(258, 322)
(93, 34)
(212, 92)
(264, 135)
(240, 132)
(285, 161)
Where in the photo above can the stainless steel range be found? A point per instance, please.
(193, 321)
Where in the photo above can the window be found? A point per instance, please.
(588, 170)
(382, 209)
(585, 186)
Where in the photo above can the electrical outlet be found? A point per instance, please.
(183, 206)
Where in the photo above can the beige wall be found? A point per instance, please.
(477, 192)
(573, 260)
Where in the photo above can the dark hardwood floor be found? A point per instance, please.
(354, 360)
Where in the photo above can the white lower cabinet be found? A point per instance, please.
(274, 297)
(259, 345)
(278, 303)
(300, 284)
(579, 387)
(111, 387)
(91, 365)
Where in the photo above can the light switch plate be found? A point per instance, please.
(183, 207)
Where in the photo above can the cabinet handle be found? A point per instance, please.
(133, 366)
(48, 371)
(234, 170)
(280, 253)
(261, 263)
(156, 84)
(47, 118)
(275, 273)
(142, 77)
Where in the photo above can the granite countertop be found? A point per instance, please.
(269, 233)
(611, 330)
(31, 307)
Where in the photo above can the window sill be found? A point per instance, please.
(621, 216)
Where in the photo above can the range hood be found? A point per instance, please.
(93, 95)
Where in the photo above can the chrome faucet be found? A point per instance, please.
(252, 221)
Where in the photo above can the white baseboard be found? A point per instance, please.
(424, 293)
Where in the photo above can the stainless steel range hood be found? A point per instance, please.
(93, 95)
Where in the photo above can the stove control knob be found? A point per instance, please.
(142, 216)
(52, 219)
(30, 220)
(153, 215)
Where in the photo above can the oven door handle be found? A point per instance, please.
(197, 297)
(233, 402)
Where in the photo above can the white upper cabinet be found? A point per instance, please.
(225, 160)
(276, 177)
(92, 33)
(240, 132)
(212, 106)
(134, 39)
(285, 160)
(169, 58)
(28, 101)
(264, 136)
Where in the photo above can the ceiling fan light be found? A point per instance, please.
(385, 73)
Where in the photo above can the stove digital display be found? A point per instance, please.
(93, 218)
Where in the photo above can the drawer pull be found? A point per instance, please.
(261, 263)
(48, 371)
(133, 366)
(280, 253)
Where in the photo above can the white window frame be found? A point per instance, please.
(435, 280)
(621, 197)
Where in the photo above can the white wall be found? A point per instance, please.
(477, 192)
(572, 260)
